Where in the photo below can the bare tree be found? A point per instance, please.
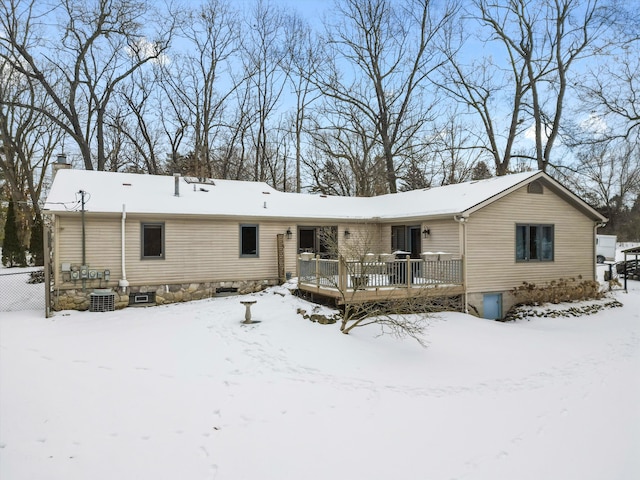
(173, 116)
(479, 86)
(137, 136)
(263, 54)
(27, 142)
(97, 45)
(529, 80)
(613, 93)
(402, 317)
(235, 145)
(452, 152)
(195, 79)
(608, 176)
(347, 152)
(301, 63)
(569, 28)
(381, 56)
(328, 176)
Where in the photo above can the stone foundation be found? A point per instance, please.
(76, 299)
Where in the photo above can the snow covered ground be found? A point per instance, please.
(16, 293)
(188, 392)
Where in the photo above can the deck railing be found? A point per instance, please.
(349, 275)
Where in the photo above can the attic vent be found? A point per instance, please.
(202, 180)
(535, 187)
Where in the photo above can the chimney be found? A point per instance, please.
(60, 164)
(176, 177)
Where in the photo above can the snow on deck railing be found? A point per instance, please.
(349, 275)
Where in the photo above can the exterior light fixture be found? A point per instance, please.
(347, 233)
(426, 232)
(288, 234)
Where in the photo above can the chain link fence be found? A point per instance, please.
(22, 290)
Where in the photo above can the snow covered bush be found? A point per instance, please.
(557, 291)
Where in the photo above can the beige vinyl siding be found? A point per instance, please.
(196, 249)
(385, 238)
(444, 237)
(491, 264)
(102, 243)
(206, 250)
(363, 238)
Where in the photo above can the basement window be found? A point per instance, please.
(152, 241)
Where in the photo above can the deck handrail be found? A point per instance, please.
(349, 275)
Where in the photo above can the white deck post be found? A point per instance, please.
(409, 272)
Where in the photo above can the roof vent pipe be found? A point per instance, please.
(176, 177)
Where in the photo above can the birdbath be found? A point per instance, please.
(247, 314)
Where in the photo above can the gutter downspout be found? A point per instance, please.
(462, 220)
(123, 283)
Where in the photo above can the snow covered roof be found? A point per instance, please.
(107, 192)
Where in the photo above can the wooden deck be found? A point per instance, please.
(365, 281)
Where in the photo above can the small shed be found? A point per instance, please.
(635, 253)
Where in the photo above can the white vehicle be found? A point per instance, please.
(606, 248)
